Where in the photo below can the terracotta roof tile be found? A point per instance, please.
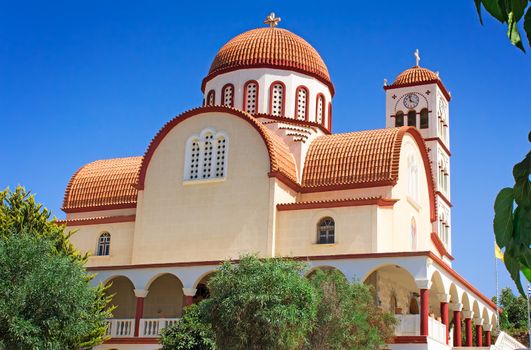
(415, 75)
(103, 183)
(357, 157)
(272, 47)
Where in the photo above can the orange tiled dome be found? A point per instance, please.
(269, 47)
(415, 75)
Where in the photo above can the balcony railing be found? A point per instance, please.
(437, 330)
(121, 328)
(409, 325)
(151, 327)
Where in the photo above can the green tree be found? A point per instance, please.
(23, 219)
(509, 12)
(512, 223)
(347, 317)
(45, 302)
(190, 333)
(513, 318)
(260, 304)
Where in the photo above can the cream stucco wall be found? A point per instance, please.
(297, 231)
(185, 221)
(407, 207)
(86, 241)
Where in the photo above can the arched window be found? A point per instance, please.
(424, 122)
(328, 123)
(301, 103)
(104, 244)
(412, 118)
(277, 97)
(399, 119)
(326, 231)
(206, 155)
(227, 93)
(220, 156)
(194, 159)
(413, 178)
(250, 97)
(211, 98)
(413, 229)
(320, 109)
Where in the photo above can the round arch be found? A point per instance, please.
(465, 300)
(323, 268)
(165, 297)
(454, 294)
(123, 296)
(394, 289)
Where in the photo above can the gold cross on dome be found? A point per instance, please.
(417, 57)
(272, 20)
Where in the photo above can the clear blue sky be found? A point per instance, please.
(87, 80)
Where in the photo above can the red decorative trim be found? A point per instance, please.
(273, 66)
(351, 202)
(439, 245)
(100, 207)
(443, 197)
(100, 220)
(296, 114)
(213, 94)
(245, 95)
(324, 106)
(283, 103)
(438, 82)
(410, 339)
(440, 142)
(132, 340)
(293, 121)
(223, 95)
(191, 113)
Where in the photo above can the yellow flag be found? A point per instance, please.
(497, 252)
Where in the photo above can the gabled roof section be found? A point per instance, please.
(364, 157)
(103, 184)
(280, 158)
(361, 159)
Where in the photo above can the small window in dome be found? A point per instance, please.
(250, 97)
(277, 97)
(328, 123)
(211, 98)
(319, 109)
(227, 93)
(301, 104)
(399, 119)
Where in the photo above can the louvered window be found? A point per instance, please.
(319, 109)
(251, 97)
(277, 99)
(228, 95)
(302, 99)
(206, 156)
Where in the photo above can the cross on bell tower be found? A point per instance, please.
(417, 57)
(272, 20)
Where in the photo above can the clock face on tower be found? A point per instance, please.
(411, 100)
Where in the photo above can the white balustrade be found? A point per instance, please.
(120, 328)
(436, 330)
(407, 325)
(151, 327)
(506, 342)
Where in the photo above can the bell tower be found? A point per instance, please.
(418, 98)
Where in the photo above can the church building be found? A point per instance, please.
(257, 169)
